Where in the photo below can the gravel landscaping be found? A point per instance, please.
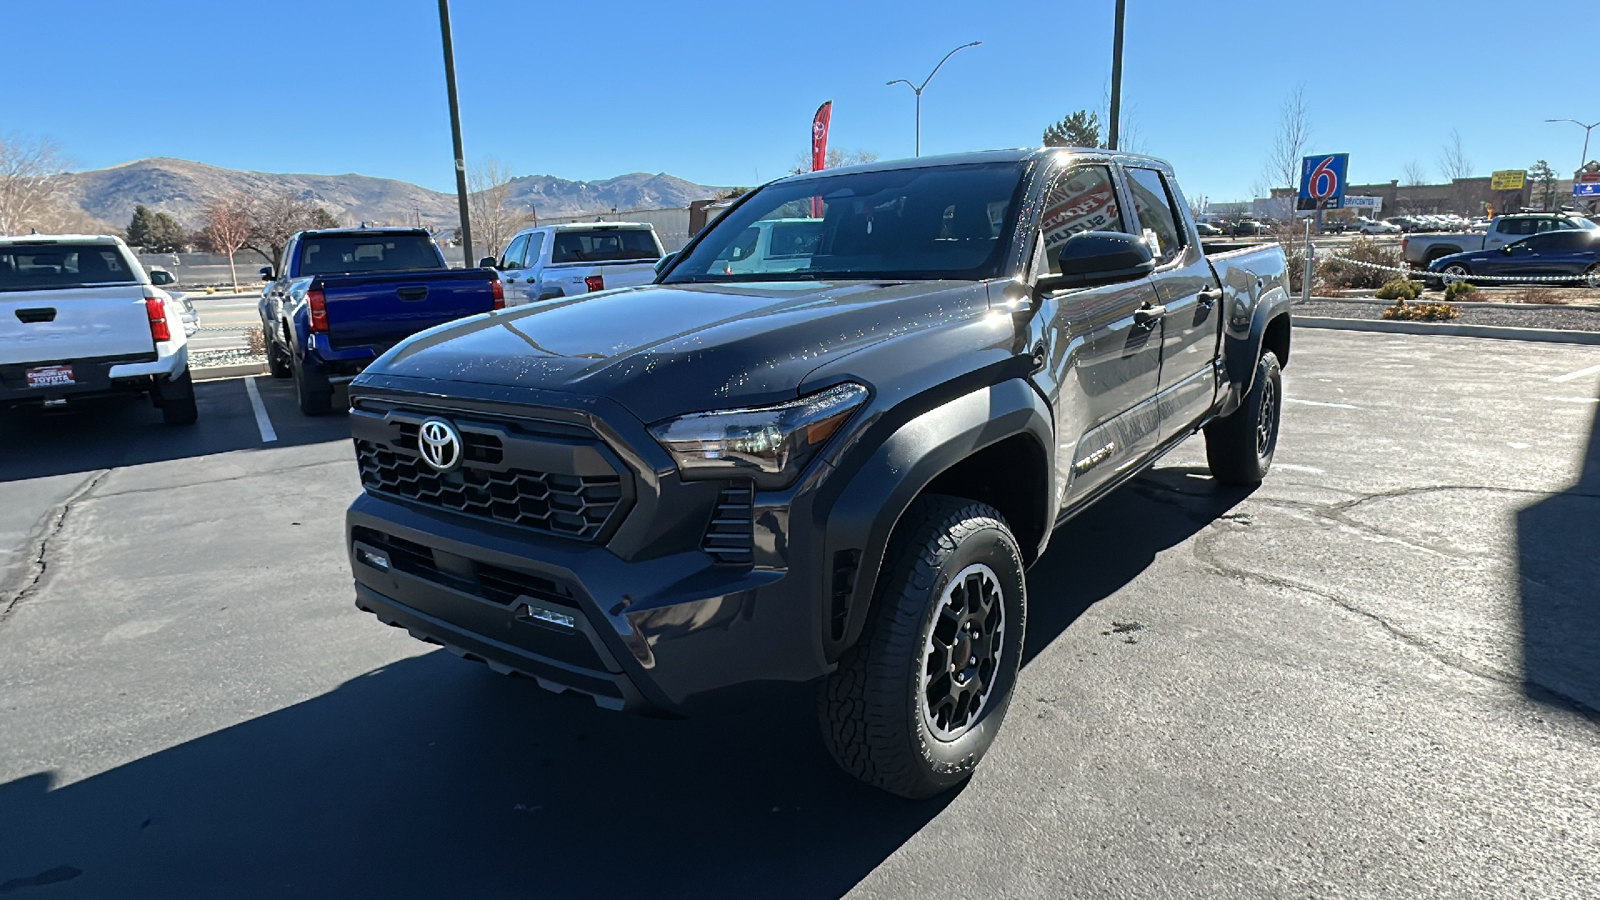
(206, 359)
(1563, 318)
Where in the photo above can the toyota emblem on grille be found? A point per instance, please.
(440, 444)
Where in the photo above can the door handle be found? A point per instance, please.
(1209, 298)
(1146, 317)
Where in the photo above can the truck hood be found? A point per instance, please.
(663, 350)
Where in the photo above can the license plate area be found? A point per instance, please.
(49, 376)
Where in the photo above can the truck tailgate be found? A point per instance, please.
(74, 323)
(574, 279)
(380, 310)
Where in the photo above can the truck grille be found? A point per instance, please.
(730, 536)
(575, 506)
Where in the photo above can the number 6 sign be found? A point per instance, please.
(1322, 181)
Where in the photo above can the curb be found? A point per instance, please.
(238, 370)
(1499, 332)
(1466, 304)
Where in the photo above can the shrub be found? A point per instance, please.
(1347, 272)
(1537, 295)
(1399, 289)
(1459, 290)
(1420, 312)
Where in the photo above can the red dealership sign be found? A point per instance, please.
(819, 136)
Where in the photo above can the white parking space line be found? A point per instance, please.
(1570, 376)
(263, 422)
(1572, 399)
(1319, 403)
(1308, 470)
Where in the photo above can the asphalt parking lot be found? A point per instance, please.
(1377, 675)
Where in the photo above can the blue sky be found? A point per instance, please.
(723, 92)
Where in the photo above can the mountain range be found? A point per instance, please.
(182, 189)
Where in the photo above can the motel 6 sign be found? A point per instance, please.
(1322, 181)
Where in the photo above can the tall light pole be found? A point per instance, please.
(455, 131)
(917, 89)
(1586, 129)
(1115, 124)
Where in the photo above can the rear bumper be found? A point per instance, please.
(95, 376)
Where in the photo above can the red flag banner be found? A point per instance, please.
(819, 136)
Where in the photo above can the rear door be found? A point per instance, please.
(63, 302)
(1188, 293)
(1099, 359)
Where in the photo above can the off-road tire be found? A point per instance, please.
(1237, 449)
(279, 362)
(314, 393)
(872, 707)
(175, 398)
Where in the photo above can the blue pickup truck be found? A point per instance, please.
(346, 295)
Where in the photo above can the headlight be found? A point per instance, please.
(771, 444)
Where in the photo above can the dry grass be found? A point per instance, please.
(256, 342)
(1541, 295)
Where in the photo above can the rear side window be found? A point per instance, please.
(339, 254)
(61, 265)
(1517, 226)
(1152, 203)
(603, 245)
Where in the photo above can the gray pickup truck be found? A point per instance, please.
(836, 467)
(1422, 249)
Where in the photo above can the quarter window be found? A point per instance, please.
(1153, 204)
(1078, 200)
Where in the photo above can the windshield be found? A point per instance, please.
(25, 268)
(925, 223)
(604, 245)
(340, 254)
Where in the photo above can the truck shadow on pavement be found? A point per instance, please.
(1558, 568)
(120, 432)
(432, 777)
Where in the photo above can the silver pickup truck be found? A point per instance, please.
(564, 260)
(1421, 249)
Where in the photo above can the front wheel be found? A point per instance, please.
(1455, 272)
(278, 359)
(916, 704)
(1239, 447)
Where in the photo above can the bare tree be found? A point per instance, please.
(488, 196)
(1289, 145)
(228, 227)
(836, 158)
(1453, 161)
(276, 217)
(30, 171)
(1415, 174)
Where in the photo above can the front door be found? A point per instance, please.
(1187, 289)
(1099, 355)
(513, 282)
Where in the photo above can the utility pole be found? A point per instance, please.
(455, 131)
(1116, 77)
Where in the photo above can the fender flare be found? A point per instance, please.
(867, 510)
(1242, 351)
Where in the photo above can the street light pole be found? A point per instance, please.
(1114, 125)
(1585, 158)
(455, 131)
(917, 89)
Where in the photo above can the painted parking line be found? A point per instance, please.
(1307, 470)
(1572, 399)
(263, 421)
(1319, 403)
(1572, 376)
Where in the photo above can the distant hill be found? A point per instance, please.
(182, 189)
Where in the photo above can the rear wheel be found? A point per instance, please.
(1591, 276)
(1455, 272)
(175, 397)
(916, 704)
(1239, 447)
(312, 390)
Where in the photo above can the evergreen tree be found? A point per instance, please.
(1081, 129)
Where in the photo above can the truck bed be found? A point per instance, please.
(380, 309)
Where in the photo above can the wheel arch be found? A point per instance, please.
(990, 445)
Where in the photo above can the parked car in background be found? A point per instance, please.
(564, 260)
(1572, 254)
(1207, 230)
(79, 319)
(165, 280)
(1370, 226)
(346, 295)
(1251, 228)
(834, 472)
(1421, 250)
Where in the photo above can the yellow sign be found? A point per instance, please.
(1507, 180)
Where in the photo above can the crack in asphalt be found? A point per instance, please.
(39, 562)
(264, 472)
(1207, 555)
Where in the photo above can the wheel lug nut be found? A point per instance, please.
(972, 661)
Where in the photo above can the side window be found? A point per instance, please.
(1079, 199)
(1549, 225)
(1154, 207)
(535, 244)
(511, 258)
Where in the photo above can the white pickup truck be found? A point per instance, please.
(562, 260)
(79, 318)
(1421, 249)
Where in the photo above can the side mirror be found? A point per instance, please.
(488, 262)
(1506, 249)
(161, 277)
(663, 262)
(1092, 258)
(266, 273)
